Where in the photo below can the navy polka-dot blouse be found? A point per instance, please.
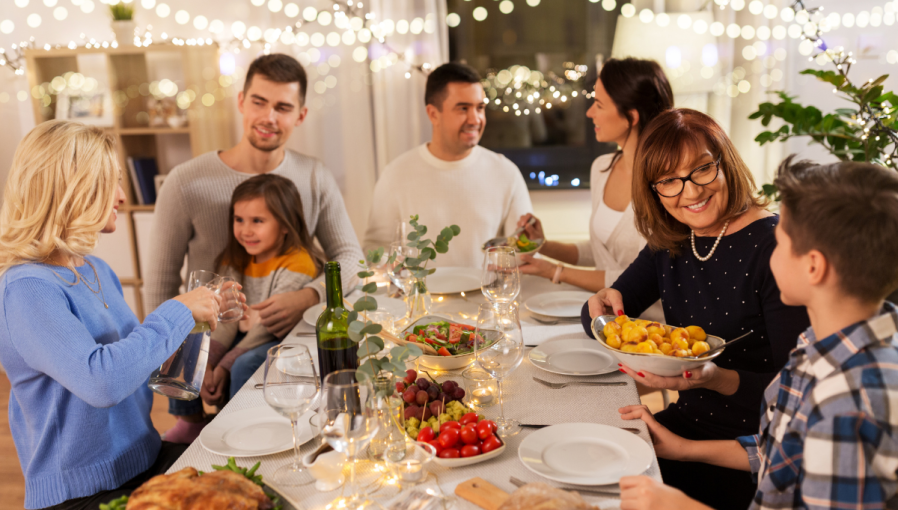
(731, 293)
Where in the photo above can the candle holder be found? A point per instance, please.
(481, 389)
(411, 459)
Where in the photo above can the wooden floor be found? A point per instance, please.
(12, 484)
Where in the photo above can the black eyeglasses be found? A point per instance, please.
(701, 176)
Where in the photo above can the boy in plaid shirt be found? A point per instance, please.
(829, 424)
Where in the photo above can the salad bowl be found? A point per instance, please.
(443, 362)
(522, 246)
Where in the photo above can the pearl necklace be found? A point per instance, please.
(719, 236)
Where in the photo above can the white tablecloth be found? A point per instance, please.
(525, 400)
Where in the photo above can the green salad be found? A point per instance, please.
(524, 244)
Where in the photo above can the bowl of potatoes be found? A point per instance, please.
(660, 349)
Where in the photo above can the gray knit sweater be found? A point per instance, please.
(192, 219)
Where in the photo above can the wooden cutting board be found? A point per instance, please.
(482, 493)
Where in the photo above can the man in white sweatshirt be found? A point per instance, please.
(451, 180)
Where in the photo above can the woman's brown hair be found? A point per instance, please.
(669, 140)
(636, 84)
(282, 199)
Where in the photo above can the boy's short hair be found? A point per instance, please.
(441, 77)
(278, 68)
(849, 212)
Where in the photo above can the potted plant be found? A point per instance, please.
(123, 22)
(864, 132)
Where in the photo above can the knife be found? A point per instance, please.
(304, 380)
(521, 483)
(534, 426)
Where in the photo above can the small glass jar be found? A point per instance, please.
(481, 389)
(409, 461)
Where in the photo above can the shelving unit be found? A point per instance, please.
(126, 74)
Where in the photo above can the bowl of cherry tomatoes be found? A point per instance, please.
(461, 443)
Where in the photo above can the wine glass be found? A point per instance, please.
(399, 275)
(291, 388)
(501, 279)
(403, 228)
(499, 349)
(347, 418)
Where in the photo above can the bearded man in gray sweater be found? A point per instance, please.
(192, 207)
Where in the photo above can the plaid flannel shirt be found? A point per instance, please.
(829, 422)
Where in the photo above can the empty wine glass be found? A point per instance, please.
(347, 418)
(501, 279)
(291, 388)
(499, 349)
(399, 275)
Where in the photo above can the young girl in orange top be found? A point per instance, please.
(269, 252)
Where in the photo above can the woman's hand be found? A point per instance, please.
(535, 266)
(645, 493)
(203, 304)
(606, 302)
(214, 384)
(534, 231)
(667, 444)
(708, 376)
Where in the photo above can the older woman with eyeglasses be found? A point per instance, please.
(709, 238)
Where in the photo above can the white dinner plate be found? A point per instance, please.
(396, 307)
(585, 453)
(253, 432)
(573, 356)
(452, 280)
(564, 303)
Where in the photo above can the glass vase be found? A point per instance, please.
(389, 412)
(419, 301)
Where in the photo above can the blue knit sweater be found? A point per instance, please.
(79, 408)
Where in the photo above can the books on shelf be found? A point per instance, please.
(143, 173)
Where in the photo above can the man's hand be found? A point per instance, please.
(644, 493)
(667, 444)
(213, 388)
(281, 312)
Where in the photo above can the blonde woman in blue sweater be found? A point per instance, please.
(77, 357)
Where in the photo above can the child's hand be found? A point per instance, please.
(213, 388)
(644, 493)
(667, 444)
(250, 319)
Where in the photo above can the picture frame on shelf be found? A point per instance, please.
(91, 109)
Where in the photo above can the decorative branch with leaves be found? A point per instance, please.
(866, 132)
(365, 332)
(121, 11)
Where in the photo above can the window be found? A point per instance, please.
(539, 66)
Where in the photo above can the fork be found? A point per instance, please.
(552, 322)
(558, 386)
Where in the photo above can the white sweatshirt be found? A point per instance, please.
(484, 194)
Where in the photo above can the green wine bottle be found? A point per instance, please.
(335, 349)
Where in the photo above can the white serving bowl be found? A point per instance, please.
(658, 364)
(467, 461)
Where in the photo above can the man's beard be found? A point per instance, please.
(258, 144)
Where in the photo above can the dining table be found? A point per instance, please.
(524, 400)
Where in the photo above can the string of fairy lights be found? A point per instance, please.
(309, 30)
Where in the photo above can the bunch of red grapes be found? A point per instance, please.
(419, 392)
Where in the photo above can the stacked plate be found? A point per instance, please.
(565, 304)
(254, 432)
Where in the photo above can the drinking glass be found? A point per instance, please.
(501, 279)
(181, 375)
(291, 388)
(499, 349)
(347, 418)
(399, 275)
(403, 228)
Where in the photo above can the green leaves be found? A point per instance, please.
(365, 304)
(369, 288)
(373, 257)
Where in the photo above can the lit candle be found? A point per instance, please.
(483, 395)
(413, 472)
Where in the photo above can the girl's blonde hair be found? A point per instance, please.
(59, 193)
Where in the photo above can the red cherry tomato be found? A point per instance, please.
(469, 434)
(449, 437)
(443, 352)
(485, 429)
(425, 435)
(436, 444)
(449, 453)
(440, 336)
(469, 450)
(468, 418)
(450, 425)
(491, 443)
